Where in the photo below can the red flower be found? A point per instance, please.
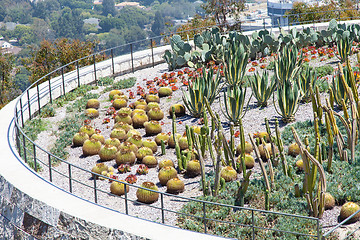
(237, 134)
(262, 66)
(174, 88)
(252, 69)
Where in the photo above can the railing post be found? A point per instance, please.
(162, 208)
(35, 160)
(252, 224)
(38, 97)
(70, 180)
(50, 172)
(126, 201)
(152, 52)
(24, 148)
(132, 57)
(78, 72)
(21, 113)
(264, 23)
(204, 217)
(112, 61)
(17, 134)
(50, 89)
(28, 100)
(95, 69)
(63, 79)
(95, 191)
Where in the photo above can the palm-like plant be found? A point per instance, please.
(288, 96)
(287, 64)
(262, 88)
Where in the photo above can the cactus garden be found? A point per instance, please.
(262, 121)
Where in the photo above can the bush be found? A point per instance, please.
(122, 84)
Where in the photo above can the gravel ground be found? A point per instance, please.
(253, 122)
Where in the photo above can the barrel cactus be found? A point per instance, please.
(119, 188)
(125, 156)
(150, 161)
(228, 174)
(193, 168)
(179, 110)
(79, 139)
(150, 144)
(164, 92)
(347, 210)
(166, 162)
(146, 196)
(175, 186)
(107, 152)
(93, 103)
(166, 173)
(142, 152)
(139, 119)
(162, 136)
(152, 128)
(156, 114)
(91, 147)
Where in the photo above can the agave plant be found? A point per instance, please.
(262, 88)
(287, 64)
(234, 101)
(338, 87)
(235, 61)
(344, 44)
(288, 96)
(204, 86)
(306, 82)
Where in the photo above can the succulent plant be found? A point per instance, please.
(129, 145)
(150, 144)
(294, 149)
(152, 127)
(146, 196)
(113, 141)
(268, 147)
(262, 135)
(164, 92)
(183, 143)
(139, 119)
(142, 107)
(91, 147)
(166, 162)
(119, 133)
(124, 126)
(249, 161)
(248, 148)
(171, 142)
(131, 179)
(119, 103)
(228, 174)
(142, 169)
(140, 102)
(150, 161)
(107, 152)
(193, 168)
(136, 139)
(89, 130)
(91, 113)
(133, 132)
(79, 139)
(124, 168)
(118, 188)
(115, 92)
(152, 98)
(329, 201)
(137, 111)
(123, 117)
(299, 165)
(93, 103)
(175, 186)
(347, 210)
(179, 110)
(99, 168)
(117, 96)
(166, 173)
(125, 110)
(162, 136)
(194, 155)
(98, 137)
(125, 156)
(142, 152)
(152, 105)
(156, 114)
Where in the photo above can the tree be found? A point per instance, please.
(108, 7)
(7, 63)
(68, 24)
(51, 55)
(24, 34)
(43, 9)
(158, 26)
(220, 9)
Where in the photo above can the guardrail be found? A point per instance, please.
(38, 95)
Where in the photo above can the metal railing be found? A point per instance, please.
(37, 96)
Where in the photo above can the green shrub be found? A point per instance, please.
(47, 111)
(122, 84)
(105, 81)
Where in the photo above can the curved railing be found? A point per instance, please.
(33, 99)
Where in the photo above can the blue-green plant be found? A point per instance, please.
(288, 96)
(235, 61)
(344, 43)
(180, 54)
(306, 81)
